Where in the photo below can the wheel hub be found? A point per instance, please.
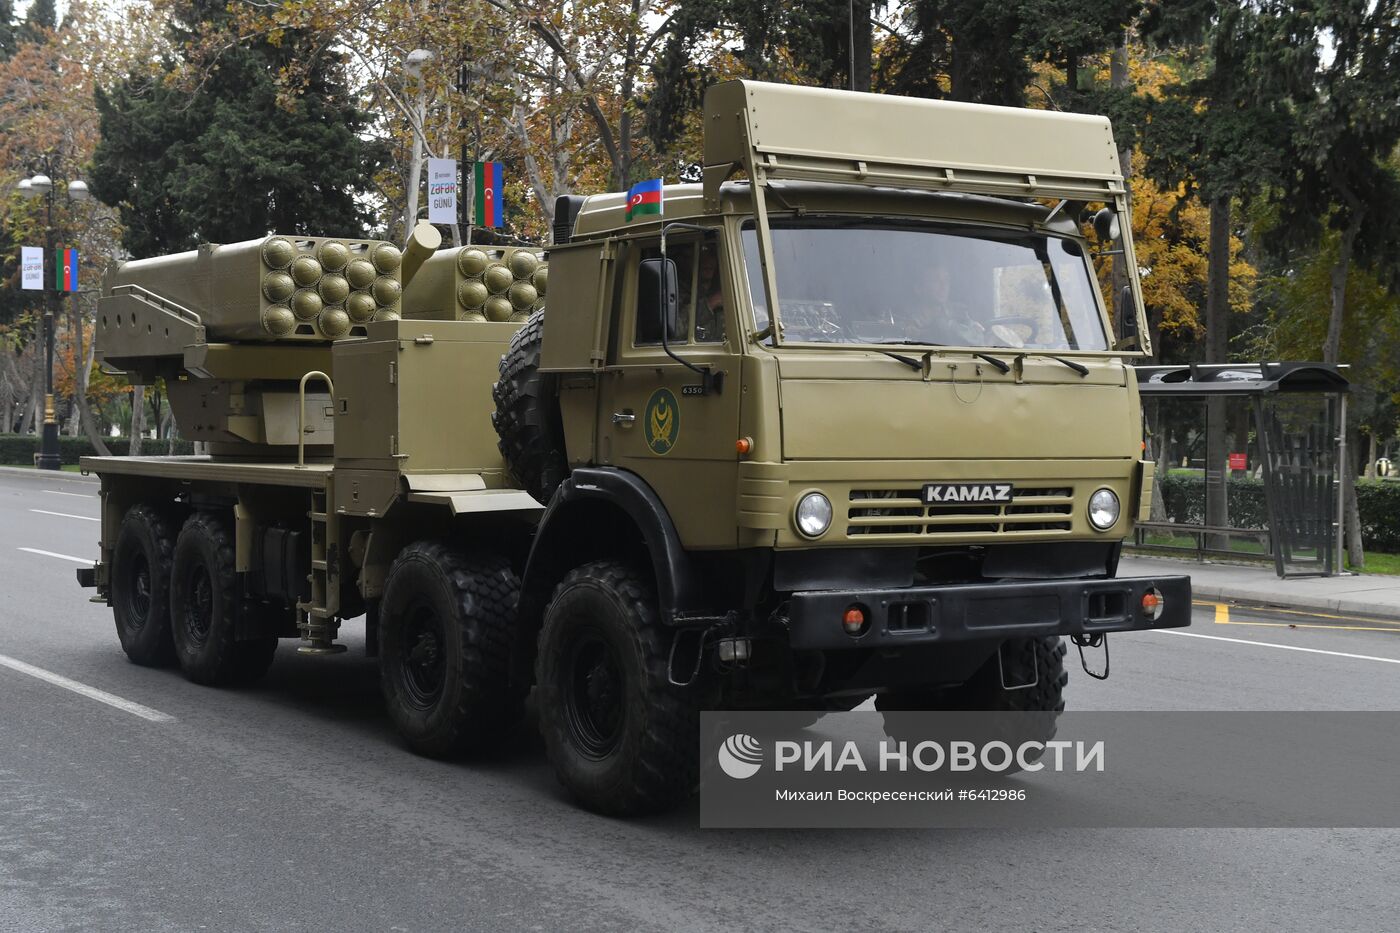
(199, 607)
(593, 697)
(423, 669)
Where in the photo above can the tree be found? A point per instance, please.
(39, 21)
(1346, 127)
(821, 42)
(7, 29)
(219, 154)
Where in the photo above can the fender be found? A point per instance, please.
(679, 586)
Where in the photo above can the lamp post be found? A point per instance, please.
(413, 67)
(41, 185)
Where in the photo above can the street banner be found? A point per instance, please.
(645, 197)
(66, 270)
(489, 179)
(442, 191)
(32, 267)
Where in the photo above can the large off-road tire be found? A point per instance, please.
(446, 622)
(206, 607)
(1022, 660)
(141, 586)
(528, 425)
(621, 737)
(1041, 660)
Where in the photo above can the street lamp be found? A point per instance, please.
(41, 185)
(413, 67)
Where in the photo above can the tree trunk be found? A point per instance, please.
(1351, 512)
(138, 419)
(1217, 351)
(81, 399)
(1331, 350)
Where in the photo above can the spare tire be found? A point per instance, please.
(527, 414)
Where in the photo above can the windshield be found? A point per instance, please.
(873, 281)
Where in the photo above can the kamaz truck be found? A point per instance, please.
(847, 418)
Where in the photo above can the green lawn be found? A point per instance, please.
(1376, 562)
(1381, 563)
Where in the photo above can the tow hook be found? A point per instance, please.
(1094, 640)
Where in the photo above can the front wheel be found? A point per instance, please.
(621, 737)
(1034, 669)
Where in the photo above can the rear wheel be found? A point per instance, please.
(621, 737)
(140, 592)
(445, 627)
(206, 608)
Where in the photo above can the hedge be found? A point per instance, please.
(21, 448)
(1183, 495)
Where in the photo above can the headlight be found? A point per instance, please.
(1103, 509)
(813, 514)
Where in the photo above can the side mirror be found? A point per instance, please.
(658, 300)
(1127, 324)
(1106, 225)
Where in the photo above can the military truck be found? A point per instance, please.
(854, 423)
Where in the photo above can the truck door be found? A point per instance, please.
(653, 419)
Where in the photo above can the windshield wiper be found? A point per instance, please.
(906, 360)
(999, 364)
(1077, 367)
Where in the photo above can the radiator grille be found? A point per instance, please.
(885, 512)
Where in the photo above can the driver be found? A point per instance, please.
(939, 317)
(709, 298)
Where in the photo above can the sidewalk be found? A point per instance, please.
(1375, 595)
(57, 474)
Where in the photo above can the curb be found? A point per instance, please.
(57, 475)
(1378, 601)
(1351, 606)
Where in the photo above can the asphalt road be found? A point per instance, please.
(291, 806)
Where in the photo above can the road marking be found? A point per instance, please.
(76, 560)
(1311, 614)
(1222, 614)
(76, 495)
(1322, 625)
(86, 518)
(92, 693)
(1269, 644)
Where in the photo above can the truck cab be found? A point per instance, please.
(858, 423)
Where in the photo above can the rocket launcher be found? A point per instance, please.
(478, 283)
(232, 328)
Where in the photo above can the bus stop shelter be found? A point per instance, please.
(1259, 445)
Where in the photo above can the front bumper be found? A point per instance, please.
(931, 615)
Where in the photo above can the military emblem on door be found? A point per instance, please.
(662, 422)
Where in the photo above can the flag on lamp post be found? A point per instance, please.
(32, 263)
(487, 183)
(66, 270)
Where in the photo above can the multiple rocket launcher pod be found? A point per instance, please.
(318, 288)
(277, 288)
(478, 283)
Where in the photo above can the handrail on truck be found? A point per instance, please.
(301, 412)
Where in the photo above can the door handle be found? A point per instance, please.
(625, 417)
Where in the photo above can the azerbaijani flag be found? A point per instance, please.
(488, 179)
(66, 270)
(645, 197)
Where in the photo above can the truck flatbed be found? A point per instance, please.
(312, 475)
